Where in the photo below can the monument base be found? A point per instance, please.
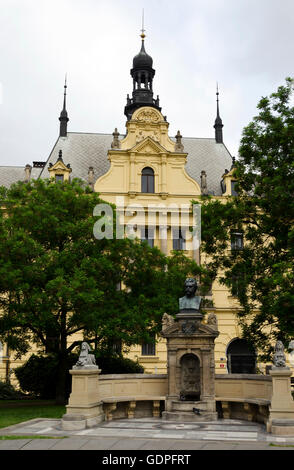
(85, 409)
(281, 417)
(190, 411)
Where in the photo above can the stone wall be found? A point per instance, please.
(238, 396)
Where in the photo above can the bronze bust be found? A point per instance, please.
(190, 301)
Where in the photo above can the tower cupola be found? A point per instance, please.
(142, 74)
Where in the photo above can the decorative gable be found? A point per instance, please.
(59, 171)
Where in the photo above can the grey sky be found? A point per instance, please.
(245, 45)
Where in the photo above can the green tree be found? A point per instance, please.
(57, 279)
(261, 275)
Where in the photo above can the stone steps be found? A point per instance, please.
(189, 416)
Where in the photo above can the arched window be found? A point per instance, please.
(241, 358)
(147, 180)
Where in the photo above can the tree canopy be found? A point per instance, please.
(261, 273)
(57, 279)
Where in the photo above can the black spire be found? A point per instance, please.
(218, 124)
(142, 73)
(63, 118)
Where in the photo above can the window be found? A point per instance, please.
(233, 190)
(117, 346)
(148, 349)
(178, 239)
(237, 284)
(147, 234)
(147, 180)
(59, 178)
(236, 241)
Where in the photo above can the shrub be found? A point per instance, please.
(38, 376)
(117, 364)
(8, 392)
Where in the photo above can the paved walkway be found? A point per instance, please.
(145, 434)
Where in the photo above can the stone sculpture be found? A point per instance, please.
(86, 359)
(115, 144)
(167, 320)
(279, 355)
(212, 321)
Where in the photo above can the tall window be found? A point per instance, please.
(178, 239)
(147, 235)
(236, 240)
(148, 349)
(147, 180)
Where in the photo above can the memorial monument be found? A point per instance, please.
(190, 360)
(84, 409)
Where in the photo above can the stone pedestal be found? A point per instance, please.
(281, 417)
(191, 369)
(84, 408)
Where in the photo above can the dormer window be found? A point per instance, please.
(147, 180)
(233, 190)
(59, 178)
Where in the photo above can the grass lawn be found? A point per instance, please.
(9, 438)
(23, 412)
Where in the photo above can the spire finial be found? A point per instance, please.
(143, 30)
(218, 125)
(63, 118)
(64, 93)
(217, 99)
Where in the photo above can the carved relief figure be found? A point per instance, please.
(148, 116)
(190, 377)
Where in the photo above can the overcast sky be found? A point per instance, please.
(246, 46)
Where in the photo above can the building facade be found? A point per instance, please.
(143, 168)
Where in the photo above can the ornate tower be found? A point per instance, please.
(218, 124)
(142, 73)
(63, 118)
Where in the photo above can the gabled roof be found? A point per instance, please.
(83, 150)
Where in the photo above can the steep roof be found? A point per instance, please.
(83, 150)
(12, 174)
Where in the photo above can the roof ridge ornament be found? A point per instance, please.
(179, 146)
(115, 144)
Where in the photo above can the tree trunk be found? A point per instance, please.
(62, 371)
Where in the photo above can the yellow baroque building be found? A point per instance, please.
(152, 178)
